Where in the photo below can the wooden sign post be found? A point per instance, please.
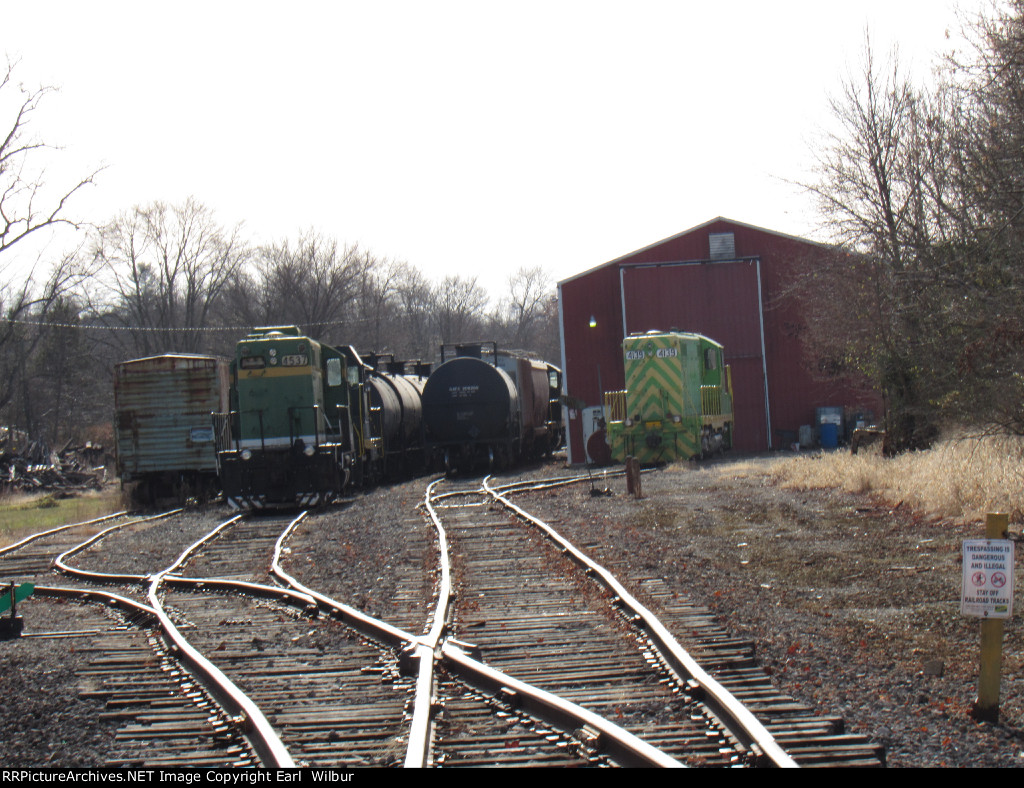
(988, 594)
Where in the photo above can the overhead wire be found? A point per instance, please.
(179, 329)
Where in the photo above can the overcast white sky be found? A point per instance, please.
(472, 138)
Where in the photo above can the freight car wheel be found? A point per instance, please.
(141, 494)
(202, 488)
(182, 491)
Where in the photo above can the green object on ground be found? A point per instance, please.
(24, 591)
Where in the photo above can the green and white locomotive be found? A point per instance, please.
(677, 403)
(307, 420)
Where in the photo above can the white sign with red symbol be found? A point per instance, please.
(988, 578)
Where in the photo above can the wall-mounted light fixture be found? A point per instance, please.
(593, 322)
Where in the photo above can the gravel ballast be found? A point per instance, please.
(853, 604)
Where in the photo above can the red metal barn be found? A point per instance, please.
(724, 279)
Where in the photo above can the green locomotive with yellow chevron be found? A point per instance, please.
(677, 403)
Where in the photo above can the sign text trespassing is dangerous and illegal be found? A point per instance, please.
(988, 578)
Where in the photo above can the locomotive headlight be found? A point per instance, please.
(629, 422)
(677, 419)
(246, 454)
(308, 451)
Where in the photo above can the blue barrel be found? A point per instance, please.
(829, 436)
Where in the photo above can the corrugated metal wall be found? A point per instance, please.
(162, 413)
(591, 355)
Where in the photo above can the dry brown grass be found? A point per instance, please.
(962, 477)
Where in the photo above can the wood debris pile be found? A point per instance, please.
(31, 466)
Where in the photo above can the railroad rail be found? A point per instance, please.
(725, 673)
(532, 653)
(327, 695)
(160, 714)
(556, 649)
(722, 704)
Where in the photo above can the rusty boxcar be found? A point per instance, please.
(164, 434)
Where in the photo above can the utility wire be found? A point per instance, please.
(177, 329)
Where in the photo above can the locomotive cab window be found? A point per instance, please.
(334, 376)
(710, 359)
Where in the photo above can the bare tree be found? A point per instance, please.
(28, 204)
(878, 178)
(925, 191)
(161, 271)
(30, 207)
(309, 283)
(548, 343)
(987, 84)
(31, 316)
(59, 391)
(515, 319)
(414, 321)
(459, 306)
(242, 304)
(376, 306)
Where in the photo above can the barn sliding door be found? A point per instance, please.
(722, 301)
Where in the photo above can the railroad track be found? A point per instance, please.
(330, 696)
(533, 655)
(533, 615)
(714, 668)
(151, 711)
(31, 559)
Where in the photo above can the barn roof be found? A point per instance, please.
(689, 231)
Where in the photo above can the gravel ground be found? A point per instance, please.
(853, 605)
(45, 721)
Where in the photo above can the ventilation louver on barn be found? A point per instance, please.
(723, 246)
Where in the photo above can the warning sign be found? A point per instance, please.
(988, 578)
